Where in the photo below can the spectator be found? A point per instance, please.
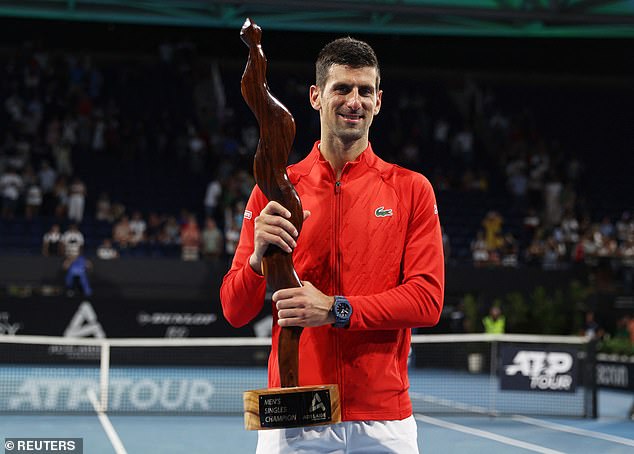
(48, 177)
(495, 322)
(232, 235)
(154, 227)
(190, 239)
(77, 268)
(137, 228)
(553, 253)
(60, 193)
(479, 251)
(530, 224)
(621, 331)
(212, 240)
(106, 251)
(52, 242)
(212, 195)
(104, 210)
(76, 201)
(591, 328)
(458, 321)
(121, 233)
(509, 251)
(536, 249)
(10, 187)
(72, 241)
(492, 224)
(62, 153)
(33, 201)
(171, 231)
(607, 228)
(570, 228)
(117, 210)
(624, 227)
(553, 200)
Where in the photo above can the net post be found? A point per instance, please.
(493, 377)
(104, 371)
(591, 378)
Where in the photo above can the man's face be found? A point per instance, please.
(348, 102)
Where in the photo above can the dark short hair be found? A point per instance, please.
(346, 52)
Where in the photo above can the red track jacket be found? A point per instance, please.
(375, 238)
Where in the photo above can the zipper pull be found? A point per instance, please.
(337, 187)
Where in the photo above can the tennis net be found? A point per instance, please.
(479, 374)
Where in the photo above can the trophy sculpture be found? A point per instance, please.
(291, 405)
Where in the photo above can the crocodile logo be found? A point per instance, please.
(381, 212)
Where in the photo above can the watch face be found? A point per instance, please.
(343, 310)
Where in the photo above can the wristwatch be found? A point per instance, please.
(342, 310)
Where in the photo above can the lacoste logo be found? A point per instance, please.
(381, 212)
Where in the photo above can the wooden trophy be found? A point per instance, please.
(291, 405)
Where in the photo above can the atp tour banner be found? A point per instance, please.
(530, 369)
(101, 318)
(200, 390)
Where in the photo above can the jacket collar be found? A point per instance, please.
(367, 159)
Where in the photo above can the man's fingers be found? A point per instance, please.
(298, 314)
(277, 209)
(270, 238)
(280, 236)
(285, 322)
(286, 293)
(275, 220)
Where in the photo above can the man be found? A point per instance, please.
(77, 268)
(371, 252)
(72, 241)
(495, 322)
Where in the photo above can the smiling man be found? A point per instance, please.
(371, 262)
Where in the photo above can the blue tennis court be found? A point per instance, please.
(611, 433)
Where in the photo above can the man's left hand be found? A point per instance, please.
(303, 306)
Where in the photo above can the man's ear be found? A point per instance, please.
(315, 97)
(379, 98)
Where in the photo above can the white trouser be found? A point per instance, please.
(349, 437)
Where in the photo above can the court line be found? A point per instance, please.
(452, 404)
(485, 434)
(574, 430)
(115, 441)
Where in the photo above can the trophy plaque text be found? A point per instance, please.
(291, 405)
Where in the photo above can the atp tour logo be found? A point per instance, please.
(538, 370)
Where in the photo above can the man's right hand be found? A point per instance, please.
(273, 226)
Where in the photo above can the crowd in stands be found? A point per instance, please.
(66, 119)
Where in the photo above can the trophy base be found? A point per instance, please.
(299, 406)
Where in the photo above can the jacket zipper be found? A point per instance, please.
(337, 281)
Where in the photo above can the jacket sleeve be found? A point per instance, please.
(418, 300)
(242, 290)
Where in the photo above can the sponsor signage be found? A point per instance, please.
(7, 326)
(616, 374)
(161, 390)
(547, 370)
(101, 317)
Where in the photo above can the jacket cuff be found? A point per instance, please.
(251, 276)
